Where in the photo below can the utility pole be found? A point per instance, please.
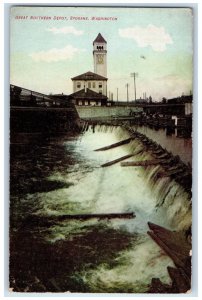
(134, 75)
(127, 90)
(117, 94)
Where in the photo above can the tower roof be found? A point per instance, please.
(89, 76)
(99, 39)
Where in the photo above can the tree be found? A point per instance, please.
(150, 99)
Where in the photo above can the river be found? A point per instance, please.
(62, 175)
(173, 141)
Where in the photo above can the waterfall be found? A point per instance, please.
(168, 193)
(152, 198)
(115, 255)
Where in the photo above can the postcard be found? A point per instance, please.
(101, 149)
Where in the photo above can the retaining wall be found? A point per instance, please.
(86, 112)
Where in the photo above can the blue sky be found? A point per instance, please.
(45, 54)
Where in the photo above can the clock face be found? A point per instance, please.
(100, 58)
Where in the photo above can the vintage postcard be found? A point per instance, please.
(100, 149)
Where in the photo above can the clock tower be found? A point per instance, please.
(100, 55)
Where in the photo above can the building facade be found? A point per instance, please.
(100, 55)
(88, 98)
(90, 88)
(92, 81)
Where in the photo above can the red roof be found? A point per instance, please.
(88, 95)
(99, 39)
(89, 76)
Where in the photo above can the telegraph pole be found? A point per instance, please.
(127, 90)
(117, 94)
(134, 75)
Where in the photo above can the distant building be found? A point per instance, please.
(92, 81)
(140, 101)
(61, 100)
(20, 96)
(91, 88)
(188, 102)
(182, 99)
(87, 97)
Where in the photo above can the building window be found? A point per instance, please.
(100, 84)
(94, 85)
(78, 85)
(100, 92)
(89, 85)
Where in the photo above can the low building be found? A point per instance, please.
(87, 97)
(92, 81)
(188, 108)
(61, 100)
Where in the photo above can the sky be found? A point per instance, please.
(50, 45)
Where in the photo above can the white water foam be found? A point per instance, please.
(117, 190)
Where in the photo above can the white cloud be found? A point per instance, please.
(65, 30)
(153, 36)
(54, 55)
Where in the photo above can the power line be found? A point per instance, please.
(127, 85)
(134, 75)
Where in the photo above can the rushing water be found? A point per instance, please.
(63, 176)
